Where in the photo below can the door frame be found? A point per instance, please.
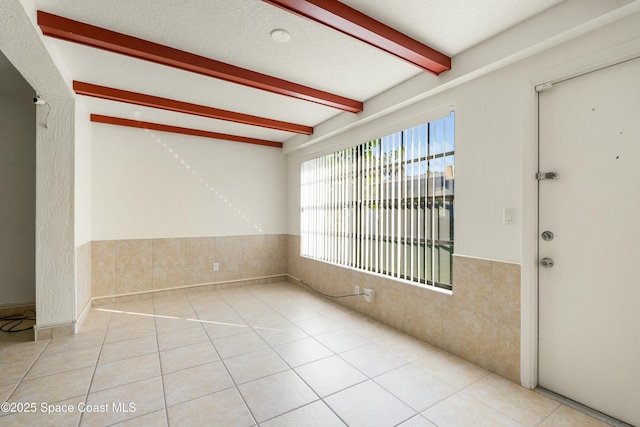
(530, 204)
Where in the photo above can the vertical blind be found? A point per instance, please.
(385, 206)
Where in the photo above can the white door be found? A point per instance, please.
(589, 300)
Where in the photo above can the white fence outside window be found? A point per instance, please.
(385, 206)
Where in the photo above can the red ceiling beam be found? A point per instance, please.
(96, 118)
(89, 35)
(356, 24)
(136, 98)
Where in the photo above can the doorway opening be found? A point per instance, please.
(17, 209)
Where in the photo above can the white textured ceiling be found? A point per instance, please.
(451, 26)
(237, 32)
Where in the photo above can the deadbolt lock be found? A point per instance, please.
(547, 235)
(546, 262)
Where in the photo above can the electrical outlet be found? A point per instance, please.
(369, 295)
(356, 289)
(216, 266)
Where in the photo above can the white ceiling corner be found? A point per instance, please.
(237, 32)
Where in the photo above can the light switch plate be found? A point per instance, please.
(508, 216)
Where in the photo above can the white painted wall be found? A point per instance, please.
(82, 177)
(55, 272)
(148, 184)
(496, 154)
(493, 126)
(488, 161)
(17, 200)
(82, 204)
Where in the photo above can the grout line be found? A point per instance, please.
(291, 368)
(580, 408)
(322, 399)
(235, 385)
(372, 379)
(549, 416)
(234, 284)
(95, 368)
(36, 358)
(491, 405)
(155, 326)
(134, 418)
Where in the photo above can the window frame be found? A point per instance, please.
(355, 238)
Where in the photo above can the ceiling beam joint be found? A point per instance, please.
(118, 95)
(356, 24)
(97, 118)
(101, 38)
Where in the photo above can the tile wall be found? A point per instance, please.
(130, 266)
(480, 322)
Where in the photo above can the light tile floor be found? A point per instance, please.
(268, 355)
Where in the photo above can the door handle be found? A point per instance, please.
(546, 262)
(547, 235)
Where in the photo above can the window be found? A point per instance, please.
(385, 206)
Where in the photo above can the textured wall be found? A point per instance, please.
(82, 174)
(23, 45)
(55, 272)
(82, 205)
